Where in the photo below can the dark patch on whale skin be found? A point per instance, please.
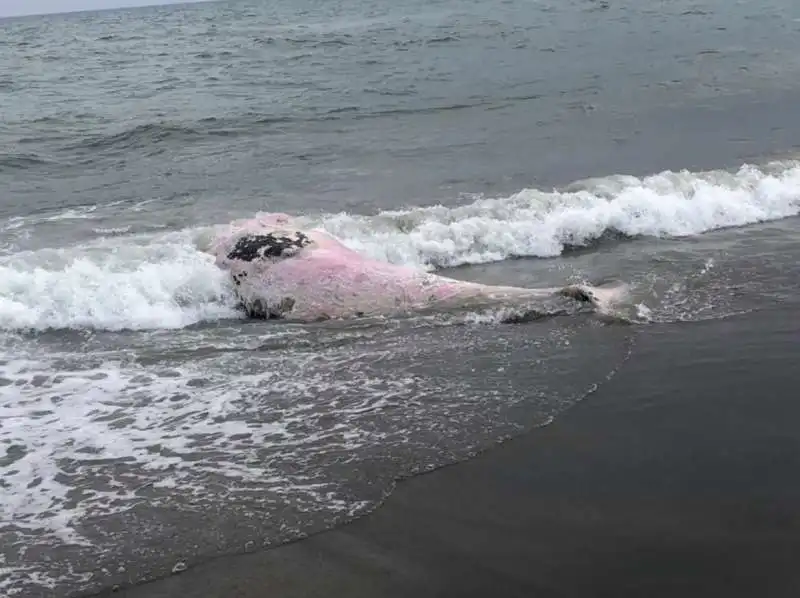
(252, 247)
(579, 294)
(260, 310)
(237, 278)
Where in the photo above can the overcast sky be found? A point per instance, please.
(30, 7)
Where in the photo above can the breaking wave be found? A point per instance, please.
(123, 281)
(535, 223)
(165, 283)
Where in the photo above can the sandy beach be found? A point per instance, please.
(676, 478)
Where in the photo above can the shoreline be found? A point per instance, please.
(675, 478)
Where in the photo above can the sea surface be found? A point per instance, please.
(147, 426)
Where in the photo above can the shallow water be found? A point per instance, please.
(144, 423)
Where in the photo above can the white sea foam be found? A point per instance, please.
(164, 282)
(81, 436)
(109, 412)
(542, 224)
(122, 425)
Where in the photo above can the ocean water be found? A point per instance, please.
(146, 426)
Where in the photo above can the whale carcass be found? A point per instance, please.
(280, 270)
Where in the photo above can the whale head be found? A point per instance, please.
(249, 250)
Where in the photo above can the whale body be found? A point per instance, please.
(280, 270)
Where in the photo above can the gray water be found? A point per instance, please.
(145, 424)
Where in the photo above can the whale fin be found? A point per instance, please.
(601, 297)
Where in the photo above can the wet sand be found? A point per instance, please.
(678, 477)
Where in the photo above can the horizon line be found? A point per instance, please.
(151, 4)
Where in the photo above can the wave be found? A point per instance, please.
(16, 161)
(161, 283)
(534, 223)
(137, 137)
(127, 281)
(151, 136)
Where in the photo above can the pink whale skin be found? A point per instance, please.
(281, 271)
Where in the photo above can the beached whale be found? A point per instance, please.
(280, 270)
